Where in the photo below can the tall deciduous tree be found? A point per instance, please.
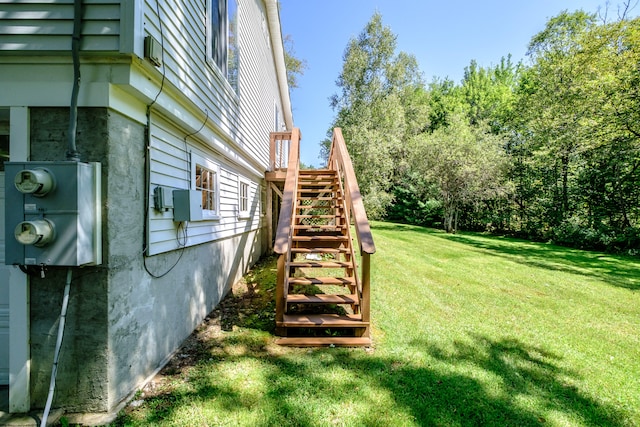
(466, 162)
(380, 104)
(578, 105)
(295, 66)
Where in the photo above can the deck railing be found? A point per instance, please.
(282, 245)
(279, 150)
(287, 207)
(340, 161)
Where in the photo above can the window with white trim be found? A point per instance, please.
(243, 199)
(222, 38)
(205, 178)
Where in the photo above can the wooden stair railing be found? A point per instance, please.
(314, 235)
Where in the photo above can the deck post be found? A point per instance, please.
(269, 212)
(366, 292)
(280, 331)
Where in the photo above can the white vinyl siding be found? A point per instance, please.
(48, 25)
(172, 161)
(244, 117)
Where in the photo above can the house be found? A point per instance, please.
(175, 104)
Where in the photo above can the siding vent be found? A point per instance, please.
(153, 51)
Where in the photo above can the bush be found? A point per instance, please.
(409, 209)
(574, 234)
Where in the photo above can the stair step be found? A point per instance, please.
(320, 209)
(322, 171)
(320, 238)
(317, 198)
(322, 321)
(322, 281)
(320, 226)
(313, 206)
(314, 194)
(320, 264)
(318, 216)
(320, 250)
(324, 341)
(317, 183)
(323, 299)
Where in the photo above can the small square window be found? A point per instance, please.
(205, 177)
(206, 182)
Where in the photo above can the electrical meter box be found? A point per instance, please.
(187, 205)
(53, 213)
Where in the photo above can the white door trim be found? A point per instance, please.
(19, 351)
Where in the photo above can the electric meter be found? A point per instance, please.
(35, 181)
(38, 232)
(54, 213)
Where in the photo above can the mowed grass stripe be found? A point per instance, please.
(468, 329)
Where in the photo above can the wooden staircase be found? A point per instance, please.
(322, 297)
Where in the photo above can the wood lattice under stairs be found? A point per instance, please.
(322, 296)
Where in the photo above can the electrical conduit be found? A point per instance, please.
(56, 354)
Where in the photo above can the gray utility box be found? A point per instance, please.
(187, 205)
(53, 213)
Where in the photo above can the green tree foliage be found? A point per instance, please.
(579, 121)
(295, 66)
(488, 94)
(549, 150)
(466, 163)
(379, 106)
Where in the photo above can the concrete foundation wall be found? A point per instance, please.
(82, 381)
(150, 318)
(122, 323)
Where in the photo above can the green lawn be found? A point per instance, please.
(468, 329)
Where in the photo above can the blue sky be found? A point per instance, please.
(444, 36)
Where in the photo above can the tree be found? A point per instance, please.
(380, 104)
(579, 135)
(488, 94)
(467, 164)
(552, 106)
(295, 66)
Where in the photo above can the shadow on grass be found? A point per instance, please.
(481, 381)
(291, 386)
(616, 270)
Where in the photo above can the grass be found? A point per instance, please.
(468, 329)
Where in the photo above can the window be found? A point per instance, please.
(243, 199)
(206, 182)
(205, 179)
(222, 38)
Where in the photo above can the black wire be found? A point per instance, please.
(181, 245)
(186, 146)
(185, 235)
(158, 276)
(161, 55)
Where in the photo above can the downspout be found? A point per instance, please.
(273, 18)
(72, 152)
